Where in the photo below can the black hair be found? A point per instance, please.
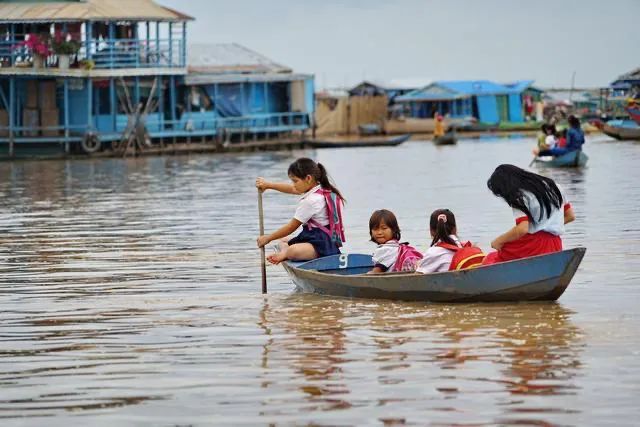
(389, 218)
(442, 224)
(510, 182)
(574, 122)
(305, 166)
(543, 128)
(552, 129)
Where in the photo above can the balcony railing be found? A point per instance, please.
(105, 54)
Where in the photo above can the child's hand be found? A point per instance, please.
(261, 184)
(497, 245)
(263, 240)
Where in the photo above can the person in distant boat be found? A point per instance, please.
(575, 140)
(319, 211)
(540, 210)
(438, 130)
(390, 254)
(541, 138)
(446, 251)
(548, 140)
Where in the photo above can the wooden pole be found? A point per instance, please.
(262, 255)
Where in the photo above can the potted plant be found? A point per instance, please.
(39, 46)
(64, 46)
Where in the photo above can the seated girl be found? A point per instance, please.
(540, 211)
(319, 211)
(442, 227)
(390, 254)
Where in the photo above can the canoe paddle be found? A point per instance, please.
(262, 255)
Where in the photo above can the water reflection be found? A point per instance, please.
(406, 352)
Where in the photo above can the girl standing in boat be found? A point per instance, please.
(540, 211)
(319, 210)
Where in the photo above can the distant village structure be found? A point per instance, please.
(76, 75)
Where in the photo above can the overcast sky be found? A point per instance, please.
(344, 42)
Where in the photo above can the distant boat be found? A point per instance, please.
(448, 138)
(359, 142)
(634, 113)
(619, 129)
(369, 129)
(572, 159)
(539, 278)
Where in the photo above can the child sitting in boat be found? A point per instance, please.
(446, 251)
(319, 211)
(390, 255)
(540, 211)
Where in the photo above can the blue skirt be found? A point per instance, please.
(320, 241)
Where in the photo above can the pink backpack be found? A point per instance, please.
(334, 212)
(408, 258)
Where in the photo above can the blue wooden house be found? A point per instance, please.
(231, 87)
(58, 98)
(487, 101)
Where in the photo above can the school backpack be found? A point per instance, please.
(408, 258)
(467, 256)
(334, 211)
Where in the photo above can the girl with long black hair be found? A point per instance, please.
(540, 211)
(319, 211)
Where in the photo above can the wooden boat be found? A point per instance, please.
(359, 142)
(448, 138)
(572, 159)
(627, 130)
(540, 278)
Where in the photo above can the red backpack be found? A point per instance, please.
(408, 258)
(334, 212)
(467, 256)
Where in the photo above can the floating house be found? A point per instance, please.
(487, 101)
(391, 89)
(239, 91)
(613, 99)
(72, 72)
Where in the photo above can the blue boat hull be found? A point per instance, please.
(541, 278)
(573, 159)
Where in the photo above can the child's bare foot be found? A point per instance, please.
(277, 258)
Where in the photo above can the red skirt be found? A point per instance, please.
(528, 245)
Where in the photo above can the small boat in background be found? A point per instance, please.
(341, 142)
(448, 138)
(621, 130)
(539, 278)
(572, 159)
(369, 129)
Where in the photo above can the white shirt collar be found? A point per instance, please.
(313, 190)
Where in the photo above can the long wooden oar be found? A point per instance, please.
(262, 255)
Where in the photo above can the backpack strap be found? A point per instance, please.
(448, 246)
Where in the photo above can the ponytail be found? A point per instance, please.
(442, 224)
(304, 166)
(325, 182)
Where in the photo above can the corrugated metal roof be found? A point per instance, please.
(87, 10)
(475, 87)
(631, 76)
(458, 89)
(232, 58)
(205, 79)
(520, 85)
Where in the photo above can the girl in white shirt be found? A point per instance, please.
(311, 181)
(540, 211)
(442, 227)
(384, 230)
